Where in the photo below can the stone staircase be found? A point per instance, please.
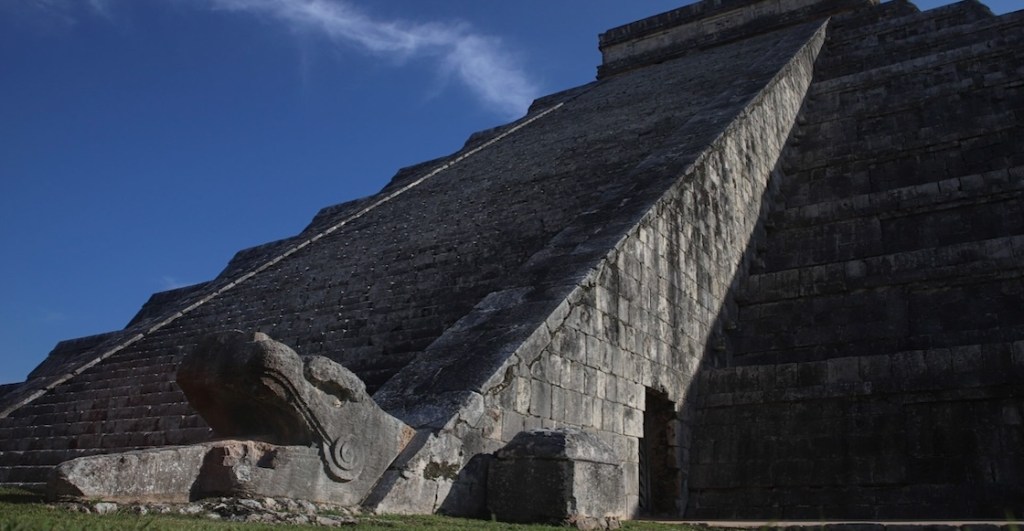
(117, 405)
(886, 296)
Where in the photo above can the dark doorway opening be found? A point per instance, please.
(659, 463)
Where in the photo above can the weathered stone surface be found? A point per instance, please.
(556, 476)
(229, 468)
(158, 475)
(250, 386)
(873, 342)
(868, 366)
(260, 511)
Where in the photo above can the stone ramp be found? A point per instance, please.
(878, 349)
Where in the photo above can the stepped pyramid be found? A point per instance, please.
(772, 257)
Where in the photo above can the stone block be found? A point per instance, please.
(244, 469)
(556, 476)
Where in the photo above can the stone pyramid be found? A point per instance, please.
(771, 258)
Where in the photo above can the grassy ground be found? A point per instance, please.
(25, 511)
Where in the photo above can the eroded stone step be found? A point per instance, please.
(965, 366)
(24, 476)
(915, 198)
(948, 265)
(85, 397)
(1002, 48)
(852, 49)
(865, 173)
(891, 233)
(109, 442)
(925, 124)
(893, 21)
(879, 321)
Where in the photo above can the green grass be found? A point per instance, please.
(25, 511)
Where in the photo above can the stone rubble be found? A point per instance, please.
(265, 511)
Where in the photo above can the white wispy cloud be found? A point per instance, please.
(478, 61)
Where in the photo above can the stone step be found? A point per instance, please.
(40, 457)
(944, 115)
(963, 367)
(119, 406)
(946, 265)
(946, 119)
(815, 181)
(880, 321)
(940, 225)
(169, 403)
(872, 434)
(109, 442)
(1002, 41)
(143, 375)
(853, 49)
(33, 477)
(919, 198)
(99, 412)
(120, 362)
(28, 460)
(901, 19)
(136, 394)
(121, 425)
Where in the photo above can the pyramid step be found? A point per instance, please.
(965, 366)
(935, 30)
(952, 264)
(109, 442)
(867, 172)
(900, 19)
(119, 397)
(989, 186)
(892, 233)
(943, 113)
(116, 363)
(32, 459)
(40, 457)
(1004, 41)
(117, 425)
(161, 379)
(881, 320)
(29, 477)
(143, 377)
(125, 408)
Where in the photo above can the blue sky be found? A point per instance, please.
(145, 141)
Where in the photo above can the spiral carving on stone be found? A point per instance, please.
(343, 462)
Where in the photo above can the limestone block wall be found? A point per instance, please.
(876, 348)
(645, 319)
(933, 432)
(638, 321)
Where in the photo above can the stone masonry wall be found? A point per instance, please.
(878, 348)
(864, 437)
(640, 319)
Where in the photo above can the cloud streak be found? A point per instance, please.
(477, 61)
